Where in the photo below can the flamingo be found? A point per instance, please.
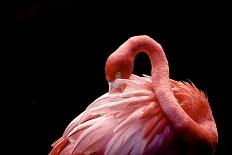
(142, 115)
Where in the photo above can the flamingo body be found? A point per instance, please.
(130, 120)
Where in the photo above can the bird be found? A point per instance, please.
(142, 115)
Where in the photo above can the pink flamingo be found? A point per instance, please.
(142, 115)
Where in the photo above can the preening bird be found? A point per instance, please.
(148, 115)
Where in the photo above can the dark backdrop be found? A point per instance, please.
(57, 50)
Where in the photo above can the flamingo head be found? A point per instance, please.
(118, 67)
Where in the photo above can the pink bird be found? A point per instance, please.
(149, 115)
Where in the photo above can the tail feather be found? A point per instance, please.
(58, 146)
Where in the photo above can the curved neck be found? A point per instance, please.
(123, 59)
(159, 63)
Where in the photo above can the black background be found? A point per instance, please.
(56, 52)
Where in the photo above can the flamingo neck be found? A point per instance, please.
(159, 63)
(124, 58)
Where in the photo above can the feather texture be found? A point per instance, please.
(128, 122)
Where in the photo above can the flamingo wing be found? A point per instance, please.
(130, 122)
(193, 101)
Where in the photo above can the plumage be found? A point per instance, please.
(132, 119)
